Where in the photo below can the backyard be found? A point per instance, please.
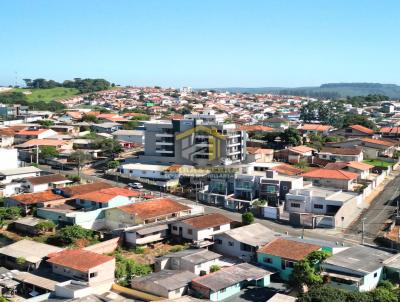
(378, 163)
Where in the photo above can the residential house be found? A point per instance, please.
(72, 191)
(353, 131)
(228, 282)
(107, 127)
(358, 268)
(341, 154)
(274, 186)
(33, 133)
(145, 212)
(315, 129)
(198, 261)
(29, 201)
(361, 168)
(27, 225)
(152, 172)
(168, 284)
(33, 252)
(299, 153)
(321, 207)
(88, 209)
(37, 143)
(44, 183)
(277, 123)
(338, 179)
(244, 241)
(97, 270)
(6, 137)
(372, 147)
(143, 235)
(390, 132)
(282, 254)
(202, 227)
(260, 155)
(9, 175)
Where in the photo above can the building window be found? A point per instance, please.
(375, 274)
(175, 228)
(295, 205)
(318, 206)
(217, 228)
(218, 241)
(230, 243)
(190, 231)
(267, 260)
(222, 290)
(92, 275)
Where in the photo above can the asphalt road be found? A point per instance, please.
(381, 209)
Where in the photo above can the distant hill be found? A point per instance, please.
(330, 90)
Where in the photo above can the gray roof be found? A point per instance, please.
(359, 258)
(168, 279)
(106, 125)
(28, 221)
(21, 170)
(195, 256)
(320, 242)
(254, 234)
(231, 276)
(128, 132)
(32, 251)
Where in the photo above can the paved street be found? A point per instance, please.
(381, 209)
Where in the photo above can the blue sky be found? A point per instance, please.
(207, 43)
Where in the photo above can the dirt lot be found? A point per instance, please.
(148, 254)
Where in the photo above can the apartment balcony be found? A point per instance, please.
(164, 135)
(164, 143)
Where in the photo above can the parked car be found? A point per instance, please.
(135, 185)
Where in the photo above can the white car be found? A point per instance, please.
(135, 185)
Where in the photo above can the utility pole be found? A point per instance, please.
(362, 230)
(37, 154)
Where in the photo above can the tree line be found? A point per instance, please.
(83, 85)
(16, 97)
(334, 113)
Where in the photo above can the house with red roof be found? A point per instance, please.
(33, 133)
(393, 132)
(145, 212)
(341, 154)
(372, 147)
(354, 131)
(87, 209)
(330, 178)
(97, 270)
(259, 155)
(308, 129)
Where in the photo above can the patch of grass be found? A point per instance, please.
(378, 163)
(48, 95)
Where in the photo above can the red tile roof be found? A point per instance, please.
(256, 128)
(288, 249)
(79, 260)
(154, 208)
(341, 151)
(7, 132)
(256, 150)
(86, 188)
(32, 132)
(34, 198)
(330, 174)
(315, 127)
(207, 221)
(45, 142)
(301, 149)
(378, 142)
(359, 165)
(287, 169)
(395, 130)
(362, 129)
(105, 195)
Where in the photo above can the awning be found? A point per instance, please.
(343, 277)
(149, 230)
